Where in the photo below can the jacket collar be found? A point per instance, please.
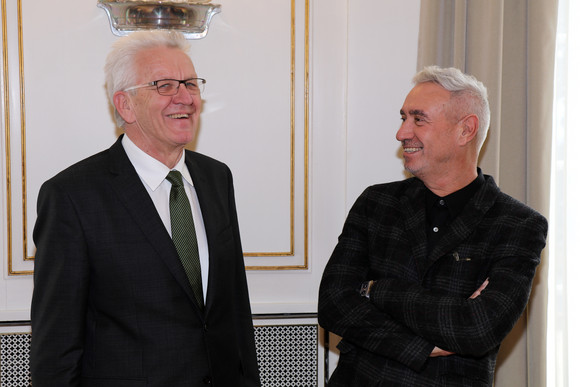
(413, 208)
(132, 194)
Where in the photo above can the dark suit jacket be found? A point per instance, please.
(422, 300)
(112, 305)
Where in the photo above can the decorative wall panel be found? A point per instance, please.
(287, 356)
(14, 360)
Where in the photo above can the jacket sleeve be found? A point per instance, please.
(60, 291)
(472, 326)
(246, 345)
(343, 311)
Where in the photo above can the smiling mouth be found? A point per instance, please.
(411, 150)
(179, 115)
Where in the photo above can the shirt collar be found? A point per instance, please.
(150, 170)
(458, 199)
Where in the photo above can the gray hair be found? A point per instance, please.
(120, 71)
(472, 92)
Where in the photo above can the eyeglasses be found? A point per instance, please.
(194, 86)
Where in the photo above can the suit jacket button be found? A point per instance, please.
(207, 380)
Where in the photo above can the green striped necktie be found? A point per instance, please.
(183, 234)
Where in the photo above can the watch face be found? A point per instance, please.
(364, 289)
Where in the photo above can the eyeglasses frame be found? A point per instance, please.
(154, 83)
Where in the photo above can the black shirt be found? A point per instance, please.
(441, 211)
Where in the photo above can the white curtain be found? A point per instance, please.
(563, 310)
(509, 46)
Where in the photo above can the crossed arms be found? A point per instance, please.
(449, 309)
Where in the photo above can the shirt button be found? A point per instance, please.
(435, 229)
(441, 202)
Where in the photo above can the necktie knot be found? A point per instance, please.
(174, 178)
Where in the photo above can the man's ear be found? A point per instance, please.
(470, 126)
(124, 107)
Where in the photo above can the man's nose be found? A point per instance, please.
(183, 95)
(404, 131)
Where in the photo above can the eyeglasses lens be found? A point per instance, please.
(171, 86)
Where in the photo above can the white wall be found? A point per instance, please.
(363, 57)
(359, 61)
(357, 65)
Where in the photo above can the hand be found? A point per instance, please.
(478, 291)
(436, 352)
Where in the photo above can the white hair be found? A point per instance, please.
(471, 92)
(120, 71)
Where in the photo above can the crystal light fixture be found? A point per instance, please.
(190, 18)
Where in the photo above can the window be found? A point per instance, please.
(564, 252)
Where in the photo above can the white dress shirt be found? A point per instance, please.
(153, 174)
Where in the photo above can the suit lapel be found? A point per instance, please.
(128, 186)
(207, 199)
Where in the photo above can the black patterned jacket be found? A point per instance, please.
(420, 301)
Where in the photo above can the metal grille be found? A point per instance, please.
(287, 355)
(14, 360)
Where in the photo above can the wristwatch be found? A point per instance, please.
(365, 288)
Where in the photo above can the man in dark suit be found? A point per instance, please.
(113, 304)
(431, 273)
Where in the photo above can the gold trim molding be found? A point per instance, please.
(7, 129)
(7, 125)
(293, 143)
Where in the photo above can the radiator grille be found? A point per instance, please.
(287, 356)
(14, 360)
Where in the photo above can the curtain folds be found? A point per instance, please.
(509, 46)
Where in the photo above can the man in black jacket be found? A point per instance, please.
(114, 302)
(431, 273)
